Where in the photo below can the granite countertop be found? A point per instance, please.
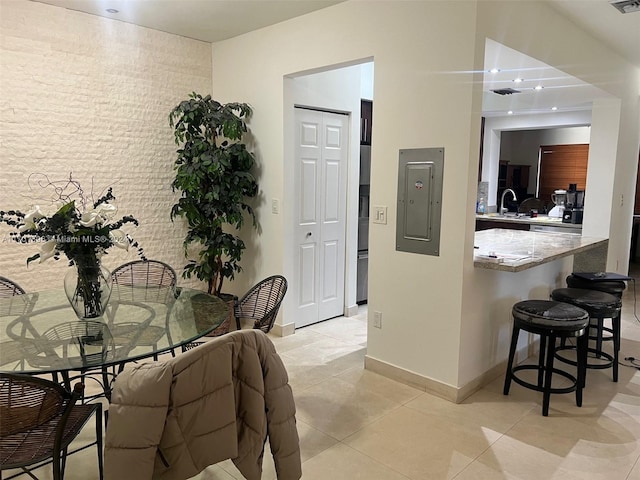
(518, 250)
(525, 218)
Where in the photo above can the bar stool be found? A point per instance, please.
(599, 305)
(551, 320)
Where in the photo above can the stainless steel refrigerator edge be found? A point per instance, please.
(363, 225)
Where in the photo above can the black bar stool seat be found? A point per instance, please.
(551, 320)
(600, 305)
(612, 287)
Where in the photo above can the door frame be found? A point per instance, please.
(290, 101)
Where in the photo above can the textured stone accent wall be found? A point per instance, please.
(88, 95)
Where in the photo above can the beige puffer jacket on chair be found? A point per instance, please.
(170, 420)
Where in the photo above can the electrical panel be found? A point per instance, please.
(420, 175)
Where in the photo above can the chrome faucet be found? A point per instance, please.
(515, 199)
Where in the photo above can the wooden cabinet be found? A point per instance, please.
(488, 224)
(366, 120)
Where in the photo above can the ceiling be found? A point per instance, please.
(215, 20)
(559, 92)
(206, 20)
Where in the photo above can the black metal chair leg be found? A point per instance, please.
(512, 352)
(548, 370)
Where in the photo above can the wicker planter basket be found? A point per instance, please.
(204, 310)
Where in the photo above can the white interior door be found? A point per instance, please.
(321, 154)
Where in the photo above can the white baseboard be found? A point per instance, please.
(283, 330)
(429, 385)
(351, 311)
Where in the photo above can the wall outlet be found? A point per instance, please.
(380, 214)
(275, 206)
(377, 319)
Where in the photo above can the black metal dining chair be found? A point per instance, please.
(78, 350)
(157, 281)
(40, 419)
(12, 352)
(261, 303)
(9, 288)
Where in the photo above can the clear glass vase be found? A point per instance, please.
(87, 285)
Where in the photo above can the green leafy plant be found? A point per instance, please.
(213, 173)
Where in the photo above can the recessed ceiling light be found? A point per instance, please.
(554, 108)
(626, 6)
(112, 10)
(538, 87)
(510, 112)
(494, 70)
(518, 80)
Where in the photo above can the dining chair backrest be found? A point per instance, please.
(9, 288)
(262, 302)
(39, 420)
(86, 343)
(147, 274)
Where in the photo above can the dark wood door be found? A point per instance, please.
(561, 165)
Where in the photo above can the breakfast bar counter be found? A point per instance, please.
(518, 250)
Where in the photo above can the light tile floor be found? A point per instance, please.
(354, 424)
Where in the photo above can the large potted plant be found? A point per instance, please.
(213, 174)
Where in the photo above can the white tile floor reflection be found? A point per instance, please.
(354, 424)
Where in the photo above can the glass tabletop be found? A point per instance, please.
(40, 333)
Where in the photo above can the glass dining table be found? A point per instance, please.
(40, 333)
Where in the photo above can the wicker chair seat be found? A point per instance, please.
(147, 338)
(34, 446)
(40, 419)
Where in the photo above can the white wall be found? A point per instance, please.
(419, 102)
(366, 81)
(88, 95)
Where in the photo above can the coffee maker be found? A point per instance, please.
(574, 205)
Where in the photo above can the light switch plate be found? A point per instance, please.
(275, 206)
(379, 214)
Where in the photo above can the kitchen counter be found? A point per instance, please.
(518, 250)
(525, 219)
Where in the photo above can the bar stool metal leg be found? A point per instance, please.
(548, 371)
(512, 353)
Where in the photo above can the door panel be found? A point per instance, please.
(308, 180)
(331, 200)
(307, 275)
(321, 152)
(330, 279)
